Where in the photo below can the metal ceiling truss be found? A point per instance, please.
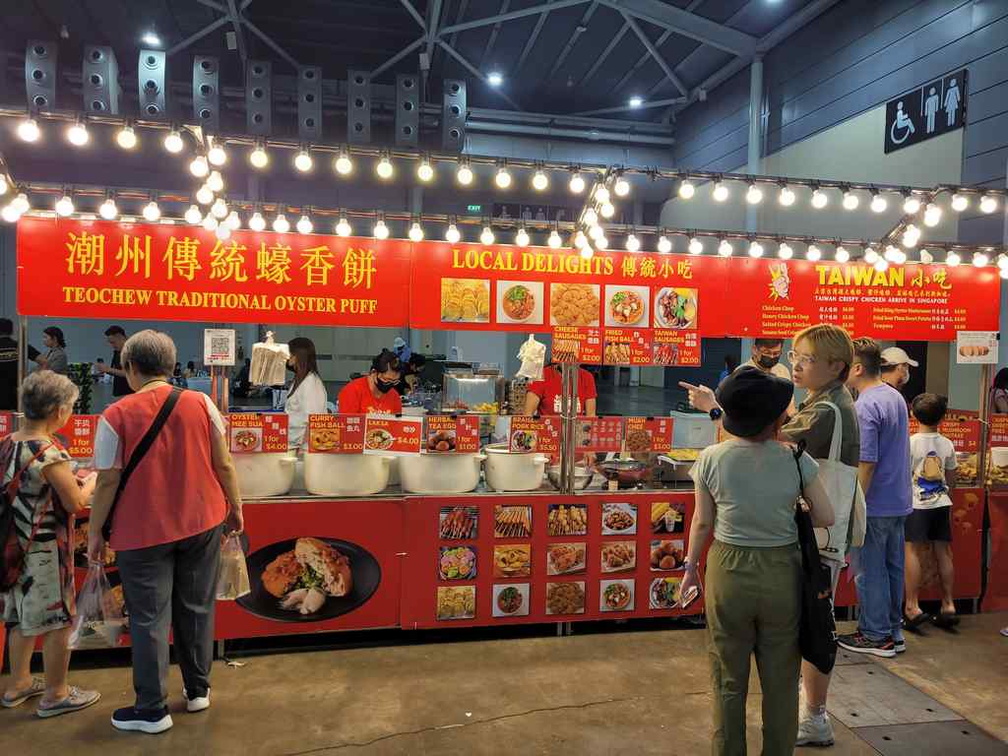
(575, 35)
(233, 13)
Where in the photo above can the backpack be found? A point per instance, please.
(12, 555)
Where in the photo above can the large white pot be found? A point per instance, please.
(261, 475)
(506, 471)
(440, 473)
(345, 474)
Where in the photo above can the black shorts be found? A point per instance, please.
(929, 525)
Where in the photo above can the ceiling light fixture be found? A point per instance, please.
(343, 228)
(813, 253)
(64, 206)
(503, 178)
(554, 240)
(879, 204)
(380, 231)
(932, 215)
(988, 204)
(416, 232)
(720, 192)
(754, 195)
(819, 199)
(217, 155)
(695, 246)
(199, 167)
(522, 237)
(664, 244)
(850, 200)
(108, 209)
(725, 248)
(495, 78)
(343, 165)
(687, 190)
(577, 183)
(28, 130)
(256, 222)
(635, 101)
(755, 249)
(452, 234)
(77, 133)
(425, 171)
(842, 255)
(193, 216)
(151, 39)
(911, 205)
(303, 160)
(487, 237)
(952, 259)
(784, 251)
(126, 137)
(464, 174)
(280, 224)
(173, 142)
(540, 181)
(621, 187)
(959, 202)
(215, 182)
(151, 212)
(632, 243)
(259, 158)
(786, 196)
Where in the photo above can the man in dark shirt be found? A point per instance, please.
(116, 338)
(9, 365)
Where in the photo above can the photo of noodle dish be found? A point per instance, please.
(626, 306)
(520, 302)
(379, 439)
(246, 439)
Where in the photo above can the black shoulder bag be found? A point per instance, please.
(140, 452)
(817, 634)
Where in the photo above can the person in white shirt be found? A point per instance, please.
(933, 462)
(307, 395)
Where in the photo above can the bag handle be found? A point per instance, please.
(835, 443)
(140, 452)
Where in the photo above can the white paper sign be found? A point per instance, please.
(977, 347)
(219, 346)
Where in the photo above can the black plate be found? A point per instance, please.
(363, 566)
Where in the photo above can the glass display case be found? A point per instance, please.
(480, 391)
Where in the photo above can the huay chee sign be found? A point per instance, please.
(931, 110)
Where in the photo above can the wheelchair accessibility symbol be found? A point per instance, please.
(903, 125)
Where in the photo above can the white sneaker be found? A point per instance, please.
(815, 731)
(200, 703)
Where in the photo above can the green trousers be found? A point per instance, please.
(753, 605)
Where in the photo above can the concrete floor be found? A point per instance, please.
(632, 692)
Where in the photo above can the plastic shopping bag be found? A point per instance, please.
(533, 357)
(233, 579)
(100, 621)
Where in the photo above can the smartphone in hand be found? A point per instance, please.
(690, 596)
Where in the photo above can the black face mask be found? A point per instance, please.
(384, 386)
(768, 362)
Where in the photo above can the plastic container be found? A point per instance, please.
(693, 430)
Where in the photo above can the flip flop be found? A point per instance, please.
(946, 620)
(913, 625)
(37, 688)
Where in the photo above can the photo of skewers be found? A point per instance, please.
(458, 523)
(512, 521)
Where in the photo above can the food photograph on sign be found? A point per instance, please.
(676, 309)
(512, 521)
(458, 523)
(465, 300)
(567, 520)
(627, 306)
(457, 563)
(668, 517)
(565, 598)
(619, 556)
(246, 439)
(565, 558)
(619, 518)
(456, 602)
(520, 302)
(512, 561)
(574, 304)
(664, 592)
(511, 600)
(616, 596)
(668, 555)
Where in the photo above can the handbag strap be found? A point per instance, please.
(837, 441)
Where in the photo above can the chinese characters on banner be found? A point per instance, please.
(577, 345)
(335, 434)
(998, 430)
(265, 432)
(599, 434)
(649, 434)
(625, 346)
(386, 435)
(446, 434)
(78, 436)
(535, 434)
(964, 434)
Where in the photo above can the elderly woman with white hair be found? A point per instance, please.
(166, 486)
(45, 494)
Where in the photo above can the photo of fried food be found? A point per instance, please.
(638, 440)
(966, 472)
(281, 574)
(512, 522)
(323, 439)
(306, 576)
(574, 304)
(618, 556)
(564, 558)
(565, 598)
(567, 520)
(616, 353)
(465, 300)
(456, 602)
(566, 350)
(512, 561)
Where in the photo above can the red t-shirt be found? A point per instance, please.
(356, 398)
(550, 389)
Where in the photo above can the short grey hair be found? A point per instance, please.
(151, 353)
(45, 393)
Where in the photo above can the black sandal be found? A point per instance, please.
(946, 620)
(914, 625)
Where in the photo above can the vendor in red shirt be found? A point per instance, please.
(374, 393)
(543, 396)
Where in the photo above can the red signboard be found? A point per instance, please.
(392, 435)
(447, 434)
(577, 345)
(600, 434)
(6, 423)
(539, 434)
(964, 434)
(998, 430)
(649, 434)
(258, 432)
(78, 435)
(676, 348)
(99, 269)
(625, 346)
(336, 434)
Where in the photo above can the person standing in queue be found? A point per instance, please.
(374, 393)
(116, 336)
(55, 359)
(766, 355)
(896, 364)
(544, 396)
(307, 395)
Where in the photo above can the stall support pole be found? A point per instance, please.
(22, 357)
(568, 414)
(985, 383)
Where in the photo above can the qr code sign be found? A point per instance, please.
(218, 346)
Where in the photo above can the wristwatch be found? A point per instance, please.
(716, 413)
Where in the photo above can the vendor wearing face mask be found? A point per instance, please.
(375, 392)
(896, 364)
(307, 395)
(766, 354)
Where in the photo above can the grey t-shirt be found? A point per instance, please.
(754, 486)
(56, 360)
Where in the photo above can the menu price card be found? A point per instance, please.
(977, 347)
(627, 346)
(577, 345)
(649, 434)
(389, 435)
(78, 435)
(258, 432)
(447, 434)
(999, 430)
(335, 434)
(6, 423)
(534, 434)
(964, 434)
(599, 434)
(676, 348)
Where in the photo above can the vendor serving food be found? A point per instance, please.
(374, 393)
(544, 396)
(307, 394)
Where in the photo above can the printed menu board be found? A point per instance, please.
(335, 434)
(78, 435)
(447, 434)
(387, 435)
(998, 430)
(599, 434)
(529, 434)
(6, 423)
(676, 348)
(577, 345)
(625, 346)
(649, 434)
(964, 434)
(258, 432)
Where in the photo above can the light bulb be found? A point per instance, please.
(596, 231)
(503, 178)
(343, 227)
(304, 225)
(540, 182)
(587, 253)
(988, 204)
(1002, 261)
(664, 245)
(953, 259)
(487, 237)
(608, 210)
(126, 138)
(343, 165)
(754, 195)
(577, 183)
(210, 223)
(842, 255)
(695, 246)
(233, 220)
(108, 209)
(28, 130)
(21, 203)
(199, 167)
(602, 194)
(77, 134)
(725, 248)
(959, 202)
(3, 184)
(151, 211)
(173, 142)
(932, 215)
(720, 192)
(64, 206)
(786, 196)
(980, 260)
(416, 233)
(223, 231)
(522, 238)
(870, 255)
(632, 243)
(784, 251)
(303, 161)
(813, 253)
(380, 231)
(911, 205)
(1003, 272)
(590, 217)
(257, 222)
(217, 155)
(819, 199)
(452, 234)
(384, 168)
(554, 240)
(878, 203)
(850, 200)
(425, 171)
(9, 214)
(602, 242)
(755, 249)
(204, 196)
(926, 257)
(259, 158)
(464, 175)
(280, 224)
(911, 236)
(881, 265)
(219, 209)
(194, 216)
(215, 182)
(687, 190)
(621, 187)
(891, 253)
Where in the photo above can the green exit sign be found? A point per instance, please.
(474, 208)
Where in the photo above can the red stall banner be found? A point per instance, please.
(335, 434)
(452, 434)
(649, 434)
(6, 423)
(577, 345)
(534, 434)
(386, 435)
(78, 435)
(676, 348)
(598, 435)
(266, 432)
(625, 346)
(964, 434)
(996, 596)
(102, 269)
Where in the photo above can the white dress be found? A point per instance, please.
(308, 399)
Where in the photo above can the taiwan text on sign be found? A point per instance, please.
(928, 111)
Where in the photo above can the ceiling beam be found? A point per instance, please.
(476, 72)
(533, 38)
(604, 54)
(234, 15)
(644, 59)
(511, 16)
(505, 4)
(653, 51)
(413, 12)
(581, 27)
(688, 24)
(209, 28)
(643, 106)
(398, 56)
(271, 44)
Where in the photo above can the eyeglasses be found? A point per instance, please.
(801, 359)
